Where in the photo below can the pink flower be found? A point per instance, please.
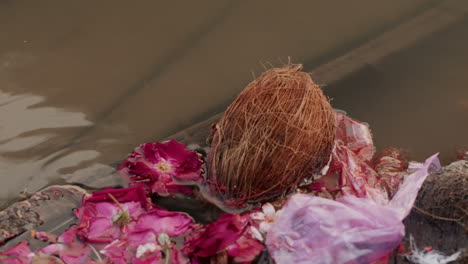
(19, 254)
(152, 233)
(132, 194)
(159, 167)
(104, 213)
(140, 241)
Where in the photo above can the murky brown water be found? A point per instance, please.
(81, 83)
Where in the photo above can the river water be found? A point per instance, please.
(82, 83)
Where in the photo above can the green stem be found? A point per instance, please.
(167, 255)
(117, 202)
(124, 216)
(96, 253)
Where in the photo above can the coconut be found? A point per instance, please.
(277, 132)
(440, 215)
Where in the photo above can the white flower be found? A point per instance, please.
(265, 218)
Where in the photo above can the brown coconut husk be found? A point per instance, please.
(278, 131)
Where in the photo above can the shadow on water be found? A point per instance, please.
(416, 99)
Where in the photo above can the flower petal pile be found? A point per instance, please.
(360, 224)
(234, 234)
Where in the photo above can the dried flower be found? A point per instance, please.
(103, 214)
(160, 167)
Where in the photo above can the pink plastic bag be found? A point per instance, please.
(311, 229)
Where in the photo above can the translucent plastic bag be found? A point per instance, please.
(311, 229)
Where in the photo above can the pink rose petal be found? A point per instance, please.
(19, 254)
(100, 215)
(159, 221)
(245, 249)
(117, 252)
(68, 248)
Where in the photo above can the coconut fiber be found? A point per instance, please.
(277, 132)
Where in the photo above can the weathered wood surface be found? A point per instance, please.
(50, 209)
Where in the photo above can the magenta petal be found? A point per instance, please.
(19, 254)
(52, 249)
(172, 150)
(245, 249)
(44, 236)
(154, 258)
(99, 213)
(69, 249)
(69, 236)
(177, 257)
(136, 239)
(76, 254)
(131, 194)
(151, 152)
(159, 221)
(96, 222)
(117, 252)
(216, 236)
(166, 186)
(102, 230)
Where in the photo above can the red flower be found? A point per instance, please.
(160, 167)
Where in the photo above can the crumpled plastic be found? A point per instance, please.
(351, 171)
(348, 230)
